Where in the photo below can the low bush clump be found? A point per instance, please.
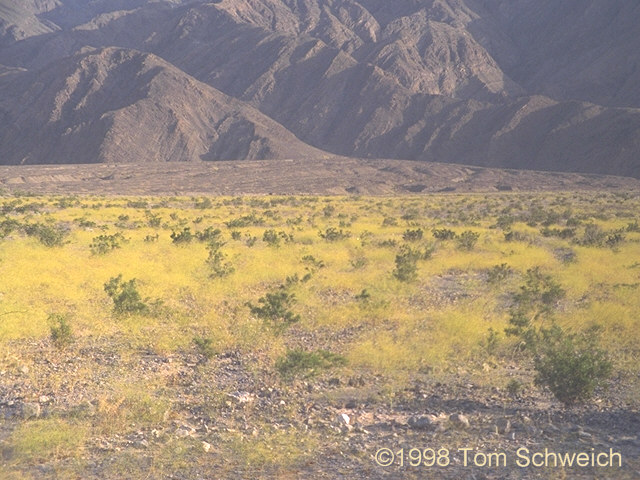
(300, 362)
(125, 296)
(274, 310)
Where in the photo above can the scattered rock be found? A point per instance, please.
(84, 410)
(206, 447)
(503, 426)
(459, 420)
(183, 432)
(30, 410)
(423, 422)
(343, 419)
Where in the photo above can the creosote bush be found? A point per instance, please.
(105, 243)
(299, 362)
(467, 240)
(274, 310)
(49, 236)
(571, 365)
(204, 345)
(61, 332)
(125, 296)
(407, 264)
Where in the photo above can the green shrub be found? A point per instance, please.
(407, 264)
(593, 235)
(328, 210)
(467, 240)
(498, 273)
(274, 310)
(444, 234)
(105, 243)
(244, 221)
(332, 234)
(125, 296)
(203, 204)
(271, 237)
(204, 345)
(514, 387)
(215, 260)
(571, 365)
(7, 226)
(311, 260)
(48, 235)
(210, 235)
(185, 236)
(298, 362)
(153, 220)
(412, 235)
(61, 332)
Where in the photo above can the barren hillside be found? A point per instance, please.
(522, 84)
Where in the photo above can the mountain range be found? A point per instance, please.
(528, 84)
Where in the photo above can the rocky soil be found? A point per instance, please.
(351, 417)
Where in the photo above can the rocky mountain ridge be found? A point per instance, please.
(522, 84)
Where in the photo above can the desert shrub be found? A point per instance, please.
(61, 332)
(311, 261)
(558, 232)
(491, 342)
(363, 296)
(137, 204)
(7, 226)
(274, 310)
(444, 234)
(614, 239)
(633, 226)
(498, 273)
(203, 204)
(593, 235)
(85, 223)
(185, 236)
(215, 261)
(332, 234)
(467, 240)
(412, 235)
(411, 214)
(328, 210)
(298, 362)
(390, 222)
(204, 346)
(125, 296)
(539, 295)
(236, 235)
(244, 221)
(504, 222)
(210, 235)
(105, 243)
(390, 242)
(49, 236)
(271, 237)
(571, 365)
(514, 387)
(359, 261)
(153, 220)
(406, 269)
(250, 241)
